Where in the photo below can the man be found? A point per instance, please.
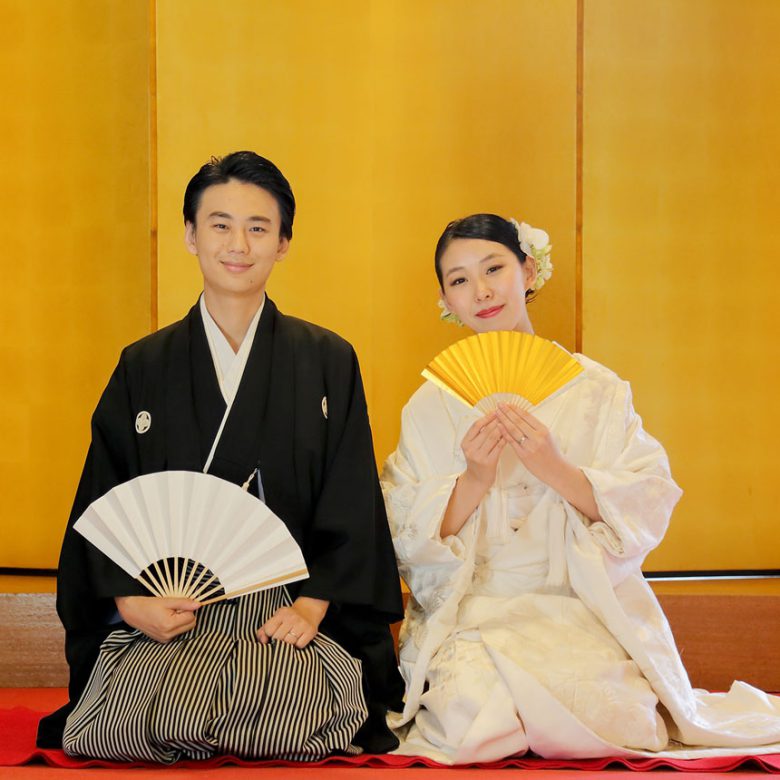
(243, 391)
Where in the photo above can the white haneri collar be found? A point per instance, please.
(228, 365)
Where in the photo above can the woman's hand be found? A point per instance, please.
(536, 449)
(297, 625)
(160, 619)
(482, 446)
(532, 442)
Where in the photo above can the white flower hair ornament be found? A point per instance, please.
(447, 315)
(535, 243)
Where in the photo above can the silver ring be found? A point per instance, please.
(293, 633)
(522, 438)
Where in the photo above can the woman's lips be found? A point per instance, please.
(491, 312)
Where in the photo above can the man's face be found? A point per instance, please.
(236, 239)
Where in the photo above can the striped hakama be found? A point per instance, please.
(217, 690)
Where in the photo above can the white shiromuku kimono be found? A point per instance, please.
(533, 627)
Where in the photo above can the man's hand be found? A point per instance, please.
(297, 625)
(160, 619)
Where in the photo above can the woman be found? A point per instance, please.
(521, 537)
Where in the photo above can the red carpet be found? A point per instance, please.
(17, 747)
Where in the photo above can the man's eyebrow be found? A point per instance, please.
(491, 256)
(225, 215)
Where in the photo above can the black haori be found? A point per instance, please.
(217, 690)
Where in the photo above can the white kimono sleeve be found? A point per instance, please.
(632, 485)
(417, 491)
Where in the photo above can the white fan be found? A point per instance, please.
(192, 535)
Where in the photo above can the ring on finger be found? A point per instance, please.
(522, 438)
(293, 633)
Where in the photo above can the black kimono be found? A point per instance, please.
(300, 417)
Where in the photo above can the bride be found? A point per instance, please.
(521, 537)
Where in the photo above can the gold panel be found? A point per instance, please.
(390, 119)
(74, 213)
(681, 250)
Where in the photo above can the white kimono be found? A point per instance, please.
(533, 628)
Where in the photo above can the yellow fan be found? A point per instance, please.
(502, 366)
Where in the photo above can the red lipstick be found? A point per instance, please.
(491, 312)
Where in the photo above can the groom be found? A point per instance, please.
(297, 422)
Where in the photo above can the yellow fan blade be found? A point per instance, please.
(502, 362)
(442, 385)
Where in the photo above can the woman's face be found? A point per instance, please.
(484, 283)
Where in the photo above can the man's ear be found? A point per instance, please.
(189, 238)
(529, 266)
(284, 248)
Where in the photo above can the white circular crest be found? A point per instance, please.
(325, 406)
(143, 422)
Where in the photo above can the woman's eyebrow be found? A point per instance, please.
(491, 256)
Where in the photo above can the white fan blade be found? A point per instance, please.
(200, 522)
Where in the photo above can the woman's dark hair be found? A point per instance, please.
(247, 167)
(489, 227)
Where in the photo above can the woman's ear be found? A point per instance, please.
(530, 270)
(189, 239)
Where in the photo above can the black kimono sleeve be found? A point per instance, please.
(86, 579)
(349, 549)
(350, 554)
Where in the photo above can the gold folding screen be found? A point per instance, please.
(682, 253)
(74, 209)
(391, 117)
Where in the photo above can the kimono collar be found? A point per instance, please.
(259, 427)
(229, 365)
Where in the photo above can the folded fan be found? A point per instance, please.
(502, 366)
(192, 535)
